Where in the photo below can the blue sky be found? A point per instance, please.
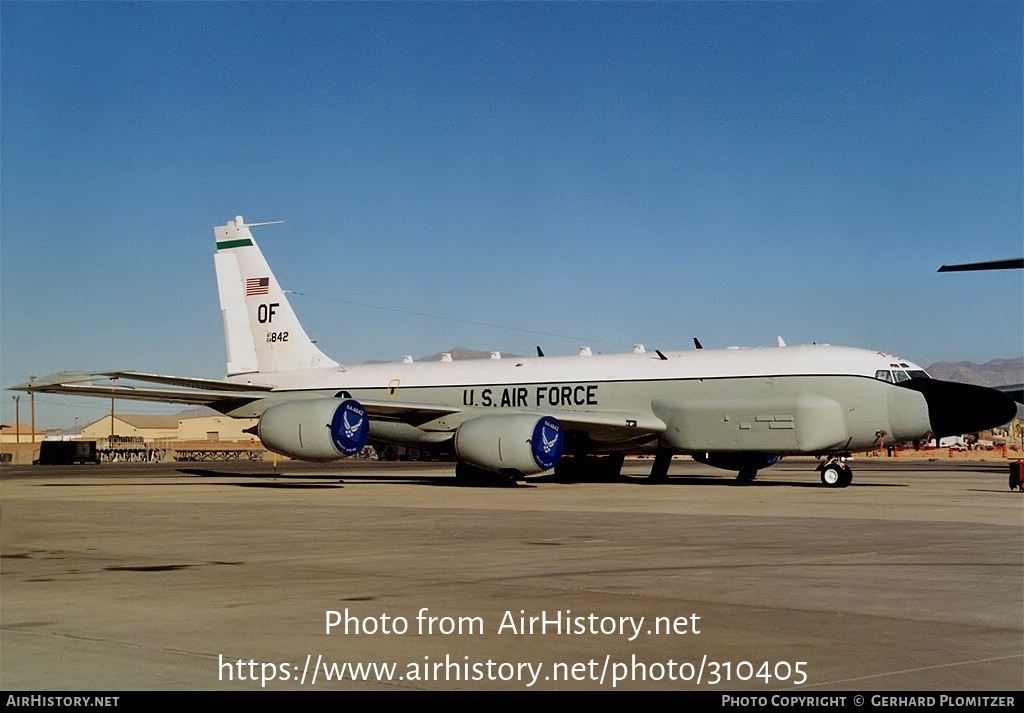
(603, 173)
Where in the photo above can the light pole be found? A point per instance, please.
(17, 421)
(113, 387)
(32, 407)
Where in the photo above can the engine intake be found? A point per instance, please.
(523, 443)
(315, 429)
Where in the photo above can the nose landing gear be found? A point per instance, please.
(835, 473)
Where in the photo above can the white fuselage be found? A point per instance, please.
(798, 399)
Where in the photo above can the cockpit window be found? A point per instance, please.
(897, 376)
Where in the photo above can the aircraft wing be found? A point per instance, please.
(1014, 390)
(218, 394)
(1011, 264)
(604, 426)
(187, 381)
(406, 410)
(612, 426)
(226, 396)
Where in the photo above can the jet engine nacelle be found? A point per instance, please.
(523, 443)
(315, 429)
(737, 461)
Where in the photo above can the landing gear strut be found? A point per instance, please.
(746, 475)
(659, 470)
(835, 473)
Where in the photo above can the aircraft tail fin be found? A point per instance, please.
(260, 328)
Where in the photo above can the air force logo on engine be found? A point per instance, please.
(350, 427)
(548, 440)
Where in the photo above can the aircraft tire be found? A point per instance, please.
(746, 475)
(847, 476)
(836, 475)
(470, 476)
(466, 474)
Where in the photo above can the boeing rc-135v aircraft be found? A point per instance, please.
(738, 409)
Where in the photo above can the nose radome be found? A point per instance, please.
(955, 408)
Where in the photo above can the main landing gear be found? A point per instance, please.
(590, 469)
(746, 475)
(835, 473)
(659, 470)
(471, 476)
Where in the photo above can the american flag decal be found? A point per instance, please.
(257, 286)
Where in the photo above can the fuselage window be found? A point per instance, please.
(883, 375)
(901, 376)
